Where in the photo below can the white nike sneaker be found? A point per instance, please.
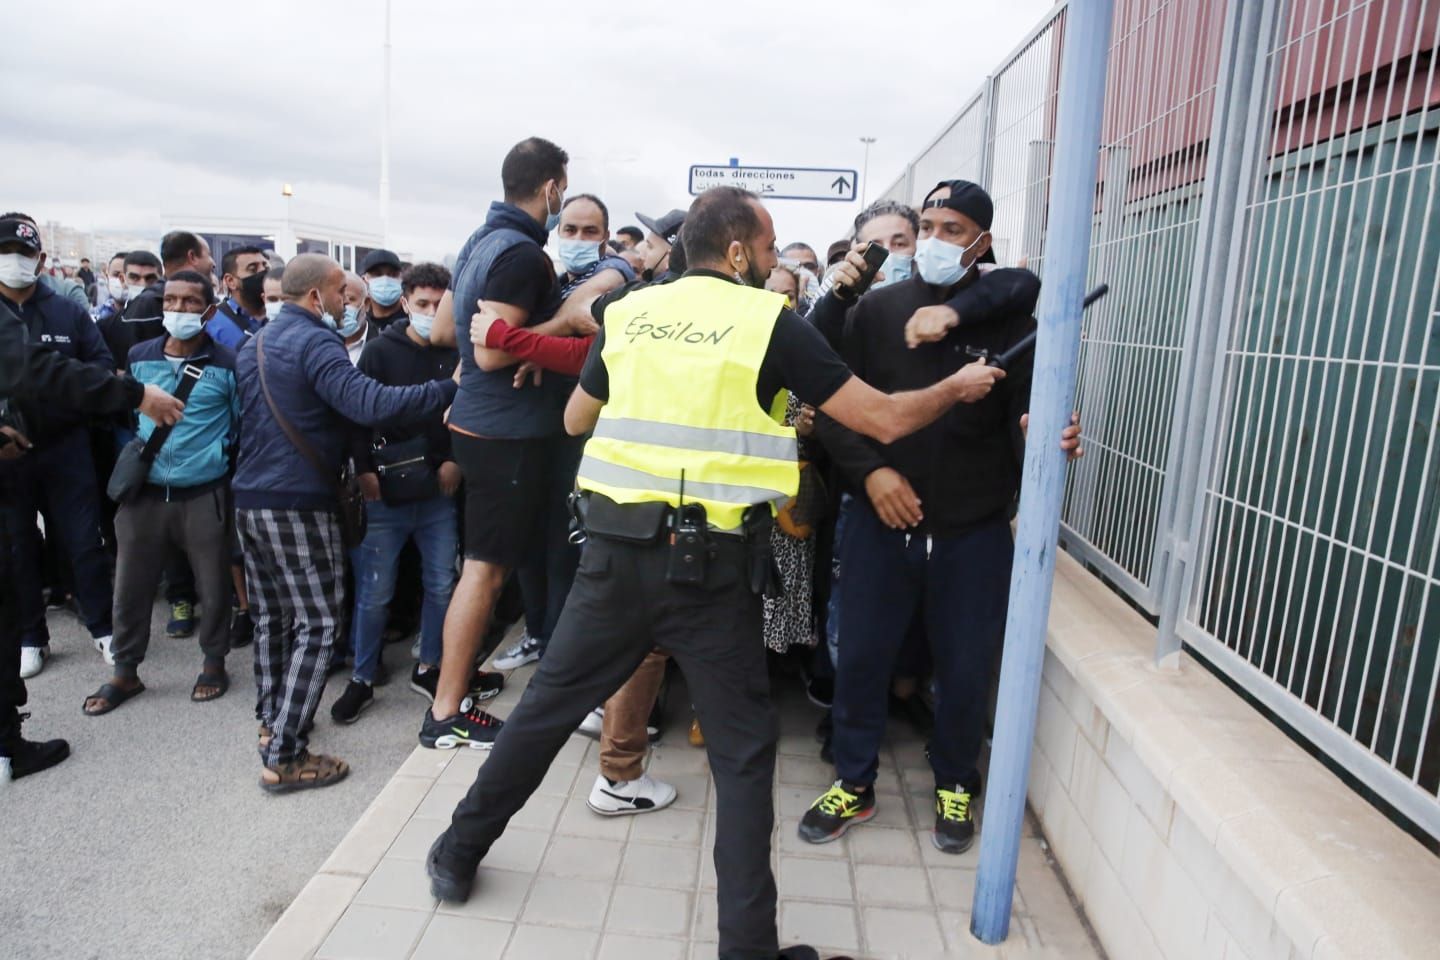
(32, 661)
(616, 799)
(103, 645)
(593, 723)
(527, 650)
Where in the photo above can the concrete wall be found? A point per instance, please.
(1189, 826)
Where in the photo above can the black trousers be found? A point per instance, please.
(619, 609)
(12, 688)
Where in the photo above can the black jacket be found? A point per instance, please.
(397, 361)
(142, 319)
(965, 467)
(59, 323)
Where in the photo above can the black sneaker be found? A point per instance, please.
(954, 824)
(820, 691)
(471, 727)
(485, 685)
(352, 702)
(447, 883)
(803, 952)
(182, 619)
(835, 811)
(242, 629)
(20, 757)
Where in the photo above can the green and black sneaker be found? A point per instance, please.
(471, 727)
(954, 823)
(836, 811)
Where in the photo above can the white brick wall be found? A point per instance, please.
(1185, 823)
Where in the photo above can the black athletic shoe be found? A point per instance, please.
(954, 824)
(20, 757)
(242, 629)
(471, 727)
(447, 883)
(352, 702)
(485, 685)
(802, 952)
(835, 811)
(821, 691)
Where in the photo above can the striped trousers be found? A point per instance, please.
(295, 576)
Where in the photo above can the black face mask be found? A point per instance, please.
(252, 288)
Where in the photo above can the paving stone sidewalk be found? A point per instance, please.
(565, 883)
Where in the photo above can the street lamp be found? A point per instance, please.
(865, 174)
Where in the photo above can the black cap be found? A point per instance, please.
(971, 200)
(379, 258)
(667, 226)
(20, 231)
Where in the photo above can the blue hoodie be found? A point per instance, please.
(197, 452)
(317, 389)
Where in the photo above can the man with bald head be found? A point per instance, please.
(292, 441)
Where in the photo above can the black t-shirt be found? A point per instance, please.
(523, 277)
(798, 359)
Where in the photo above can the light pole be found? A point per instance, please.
(865, 171)
(385, 138)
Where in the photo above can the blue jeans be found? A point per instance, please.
(433, 526)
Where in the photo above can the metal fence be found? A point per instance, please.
(1261, 391)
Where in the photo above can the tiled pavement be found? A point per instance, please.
(565, 883)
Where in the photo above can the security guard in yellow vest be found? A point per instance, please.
(684, 389)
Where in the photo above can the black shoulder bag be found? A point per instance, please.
(132, 467)
(347, 485)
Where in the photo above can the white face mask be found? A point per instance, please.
(942, 264)
(17, 271)
(133, 290)
(272, 309)
(183, 326)
(116, 286)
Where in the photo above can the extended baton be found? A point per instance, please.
(1027, 343)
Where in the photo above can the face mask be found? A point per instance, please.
(942, 264)
(182, 326)
(272, 309)
(350, 325)
(17, 271)
(252, 288)
(385, 291)
(326, 317)
(116, 286)
(898, 268)
(133, 290)
(421, 324)
(552, 220)
(579, 255)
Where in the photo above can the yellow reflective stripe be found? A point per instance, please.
(741, 443)
(614, 475)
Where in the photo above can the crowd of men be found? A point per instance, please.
(396, 451)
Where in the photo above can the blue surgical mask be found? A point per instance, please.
(385, 291)
(942, 264)
(421, 324)
(182, 326)
(579, 255)
(552, 220)
(350, 325)
(898, 267)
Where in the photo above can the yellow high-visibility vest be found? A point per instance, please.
(683, 359)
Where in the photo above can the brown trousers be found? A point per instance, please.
(623, 739)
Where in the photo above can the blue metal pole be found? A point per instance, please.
(1067, 250)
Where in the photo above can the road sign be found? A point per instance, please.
(778, 183)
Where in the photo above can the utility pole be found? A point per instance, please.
(385, 138)
(1032, 577)
(865, 172)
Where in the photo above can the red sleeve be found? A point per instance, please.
(560, 354)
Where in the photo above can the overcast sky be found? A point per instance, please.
(116, 113)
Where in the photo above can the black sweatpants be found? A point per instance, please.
(957, 588)
(12, 688)
(619, 609)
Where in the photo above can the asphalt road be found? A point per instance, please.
(154, 840)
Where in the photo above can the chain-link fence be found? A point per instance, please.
(1261, 390)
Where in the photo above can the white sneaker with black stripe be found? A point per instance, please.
(526, 651)
(616, 798)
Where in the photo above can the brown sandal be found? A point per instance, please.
(308, 771)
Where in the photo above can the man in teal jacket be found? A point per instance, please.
(185, 502)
